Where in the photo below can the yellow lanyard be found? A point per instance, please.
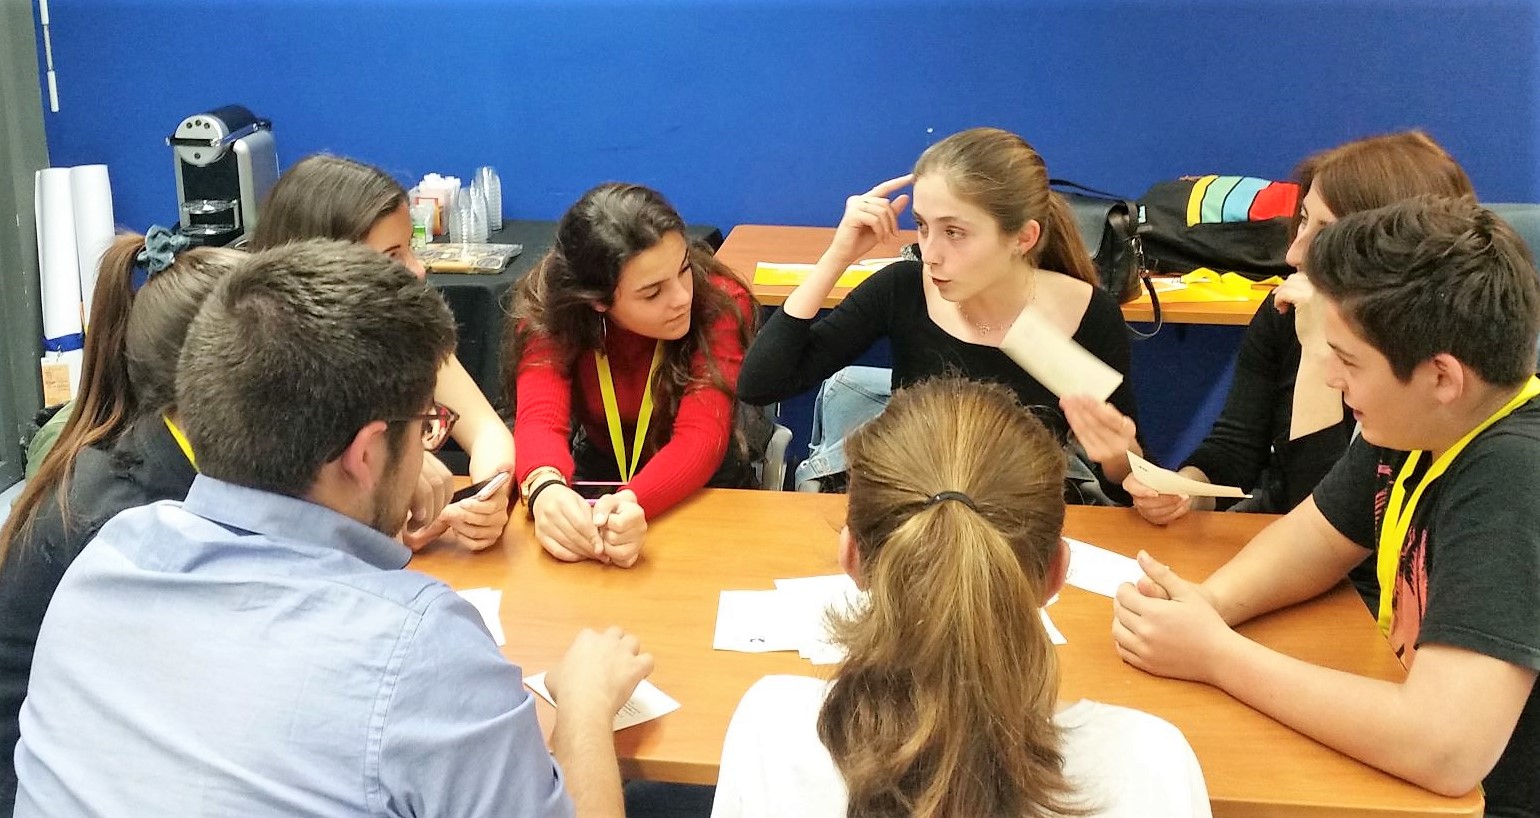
(1399, 511)
(181, 440)
(612, 412)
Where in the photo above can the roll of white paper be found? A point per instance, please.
(58, 261)
(91, 195)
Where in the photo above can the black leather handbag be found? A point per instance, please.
(1110, 226)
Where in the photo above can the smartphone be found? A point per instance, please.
(482, 490)
(592, 490)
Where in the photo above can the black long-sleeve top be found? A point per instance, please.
(793, 355)
(1249, 444)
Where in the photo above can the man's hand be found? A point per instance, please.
(424, 522)
(1168, 626)
(604, 669)
(479, 522)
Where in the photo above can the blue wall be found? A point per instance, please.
(756, 111)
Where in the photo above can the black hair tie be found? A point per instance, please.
(943, 496)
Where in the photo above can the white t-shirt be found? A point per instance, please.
(1124, 763)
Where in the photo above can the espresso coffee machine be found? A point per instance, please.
(225, 164)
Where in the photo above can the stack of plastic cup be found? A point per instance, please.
(462, 218)
(468, 216)
(492, 188)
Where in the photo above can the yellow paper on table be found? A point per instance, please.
(788, 274)
(1204, 284)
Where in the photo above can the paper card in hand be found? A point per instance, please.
(1055, 360)
(1166, 481)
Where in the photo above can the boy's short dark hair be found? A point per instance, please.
(297, 350)
(1430, 275)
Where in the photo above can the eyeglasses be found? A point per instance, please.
(436, 425)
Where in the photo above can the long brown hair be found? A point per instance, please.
(326, 197)
(1375, 171)
(129, 363)
(944, 705)
(1006, 177)
(595, 238)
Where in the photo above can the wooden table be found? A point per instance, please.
(729, 540)
(749, 244)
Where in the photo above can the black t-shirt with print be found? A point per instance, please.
(1469, 573)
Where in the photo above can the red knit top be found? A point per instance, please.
(550, 395)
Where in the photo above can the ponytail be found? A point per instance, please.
(945, 702)
(129, 363)
(1060, 248)
(105, 401)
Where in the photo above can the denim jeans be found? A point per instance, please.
(856, 394)
(847, 399)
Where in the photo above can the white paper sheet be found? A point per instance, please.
(812, 599)
(1098, 570)
(1053, 630)
(488, 602)
(792, 617)
(646, 704)
(1166, 481)
(830, 586)
(91, 198)
(58, 259)
(1055, 360)
(755, 622)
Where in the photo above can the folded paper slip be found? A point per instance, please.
(786, 274)
(645, 704)
(1166, 481)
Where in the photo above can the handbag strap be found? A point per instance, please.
(1085, 189)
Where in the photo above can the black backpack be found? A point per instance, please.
(1225, 223)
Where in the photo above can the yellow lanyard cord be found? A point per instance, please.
(1399, 511)
(612, 412)
(181, 440)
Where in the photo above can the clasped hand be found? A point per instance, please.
(1168, 626)
(610, 531)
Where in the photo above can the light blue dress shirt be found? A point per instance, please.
(245, 653)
